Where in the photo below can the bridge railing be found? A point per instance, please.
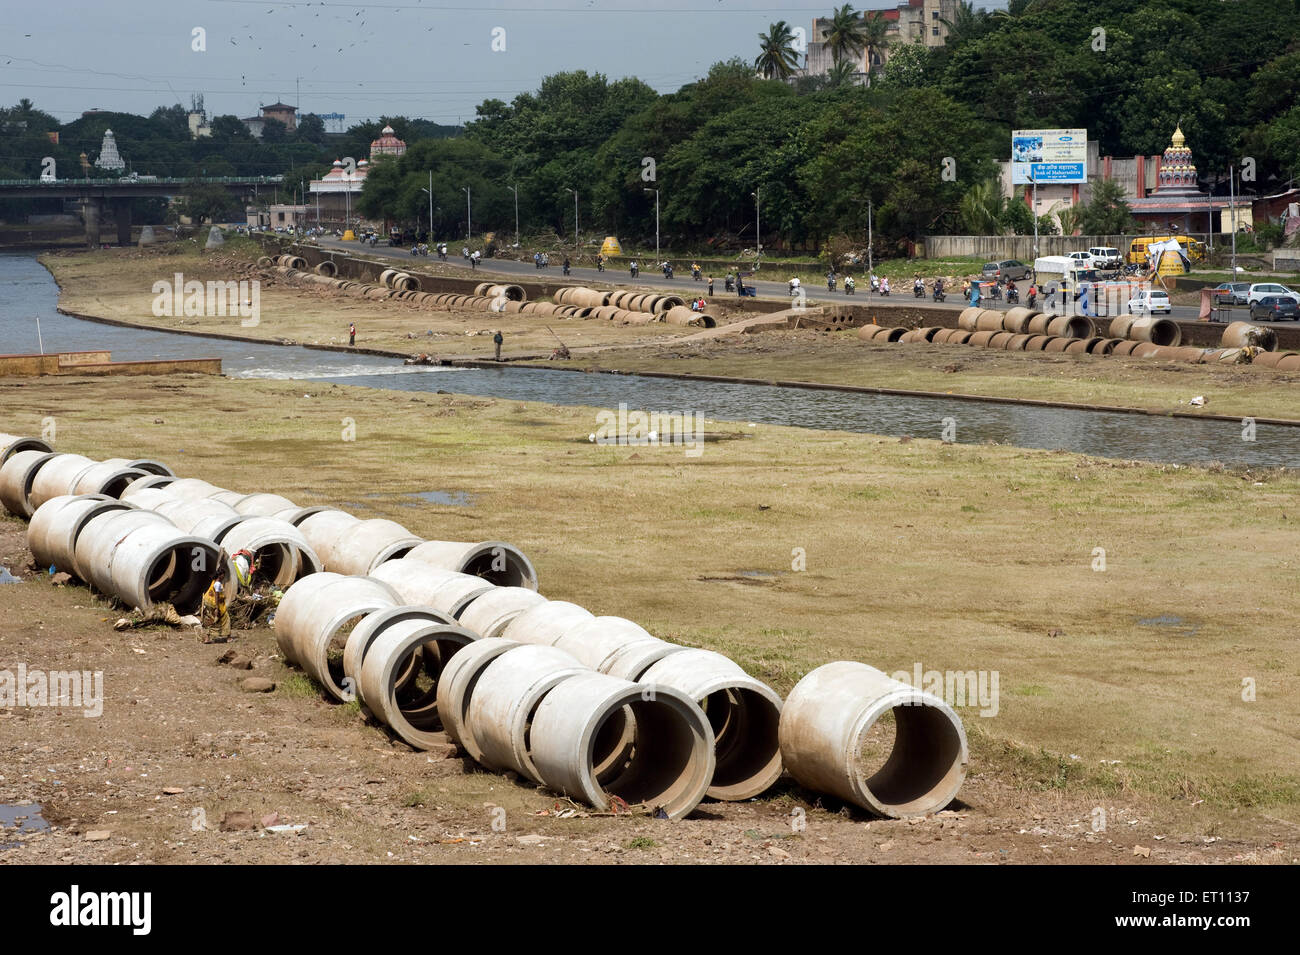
(150, 181)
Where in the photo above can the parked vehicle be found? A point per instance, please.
(1006, 269)
(1261, 290)
(1138, 255)
(1230, 293)
(1275, 308)
(1149, 302)
(1106, 258)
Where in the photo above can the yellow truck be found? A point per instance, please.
(1138, 255)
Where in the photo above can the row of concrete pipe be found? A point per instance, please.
(450, 636)
(1022, 329)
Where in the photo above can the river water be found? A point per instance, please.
(29, 294)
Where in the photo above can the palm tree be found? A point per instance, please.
(777, 58)
(844, 36)
(967, 23)
(874, 38)
(981, 208)
(1068, 217)
(841, 74)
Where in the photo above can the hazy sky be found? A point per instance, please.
(427, 58)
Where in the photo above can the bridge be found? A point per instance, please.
(93, 193)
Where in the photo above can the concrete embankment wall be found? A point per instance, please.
(98, 363)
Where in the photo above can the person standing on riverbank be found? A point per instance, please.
(497, 339)
(352, 333)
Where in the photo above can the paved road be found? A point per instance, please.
(776, 289)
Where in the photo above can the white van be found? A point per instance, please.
(1051, 270)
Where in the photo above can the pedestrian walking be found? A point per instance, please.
(352, 333)
(497, 340)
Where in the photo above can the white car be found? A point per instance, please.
(1150, 301)
(1083, 258)
(1263, 289)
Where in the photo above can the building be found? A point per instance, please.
(284, 113)
(108, 155)
(198, 123)
(279, 215)
(916, 21)
(386, 145)
(335, 194)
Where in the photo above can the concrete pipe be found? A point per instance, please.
(1145, 350)
(11, 444)
(229, 498)
(1072, 326)
(157, 563)
(1016, 342)
(889, 335)
(148, 498)
(911, 336)
(149, 482)
(58, 476)
(324, 528)
(147, 465)
(998, 340)
(189, 514)
(1037, 324)
(828, 745)
(319, 631)
(92, 552)
(280, 552)
(545, 623)
(425, 585)
(482, 287)
(1056, 343)
(387, 276)
(399, 657)
(192, 489)
(868, 332)
(1102, 346)
(614, 645)
(959, 337)
(512, 293)
(1157, 331)
(966, 321)
(54, 527)
(488, 613)
(17, 475)
(105, 478)
(941, 336)
(406, 282)
(295, 603)
(263, 505)
(1289, 363)
(1243, 334)
(989, 320)
(1016, 320)
(667, 302)
(1269, 359)
(982, 339)
(1124, 348)
(495, 561)
(586, 716)
(368, 544)
(327, 269)
(505, 697)
(456, 686)
(1036, 342)
(744, 714)
(1119, 326)
(1080, 346)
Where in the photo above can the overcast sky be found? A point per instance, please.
(425, 58)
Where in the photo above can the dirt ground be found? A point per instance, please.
(955, 556)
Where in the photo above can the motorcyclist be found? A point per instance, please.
(695, 272)
(600, 263)
(1013, 293)
(632, 268)
(730, 281)
(884, 286)
(849, 285)
(918, 288)
(794, 285)
(830, 281)
(566, 265)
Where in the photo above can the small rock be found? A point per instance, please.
(778, 852)
(173, 791)
(60, 579)
(122, 624)
(1142, 851)
(158, 421)
(191, 622)
(241, 661)
(531, 839)
(270, 820)
(98, 835)
(256, 684)
(1056, 632)
(237, 820)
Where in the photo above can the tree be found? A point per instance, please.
(841, 74)
(274, 131)
(204, 202)
(777, 58)
(1107, 213)
(311, 129)
(967, 23)
(907, 66)
(844, 37)
(874, 38)
(1069, 218)
(230, 129)
(982, 207)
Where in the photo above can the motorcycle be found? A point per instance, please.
(634, 270)
(884, 288)
(566, 270)
(830, 283)
(1013, 296)
(850, 287)
(696, 274)
(939, 295)
(668, 271)
(793, 284)
(918, 289)
(600, 265)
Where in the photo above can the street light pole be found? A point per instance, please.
(758, 230)
(1033, 207)
(430, 203)
(575, 216)
(469, 214)
(656, 192)
(871, 264)
(1232, 214)
(515, 190)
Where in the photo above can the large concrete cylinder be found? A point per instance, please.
(148, 465)
(147, 498)
(366, 545)
(488, 613)
(585, 716)
(826, 729)
(614, 645)
(1242, 334)
(1157, 331)
(319, 631)
(396, 658)
(495, 561)
(157, 563)
(745, 715)
(54, 527)
(545, 623)
(505, 696)
(323, 528)
(57, 476)
(92, 554)
(263, 505)
(157, 481)
(11, 444)
(17, 476)
(105, 477)
(456, 689)
(192, 489)
(202, 516)
(423, 584)
(280, 552)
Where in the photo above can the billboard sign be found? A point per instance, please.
(1049, 155)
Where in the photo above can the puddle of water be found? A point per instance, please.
(22, 817)
(1167, 620)
(449, 498)
(8, 578)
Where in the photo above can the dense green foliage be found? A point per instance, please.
(818, 151)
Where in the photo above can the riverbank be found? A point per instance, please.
(116, 284)
(1121, 685)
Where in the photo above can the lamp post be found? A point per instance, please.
(1033, 207)
(515, 190)
(758, 231)
(656, 192)
(575, 216)
(430, 192)
(871, 265)
(469, 212)
(1232, 214)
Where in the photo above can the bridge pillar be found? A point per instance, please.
(122, 216)
(91, 209)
